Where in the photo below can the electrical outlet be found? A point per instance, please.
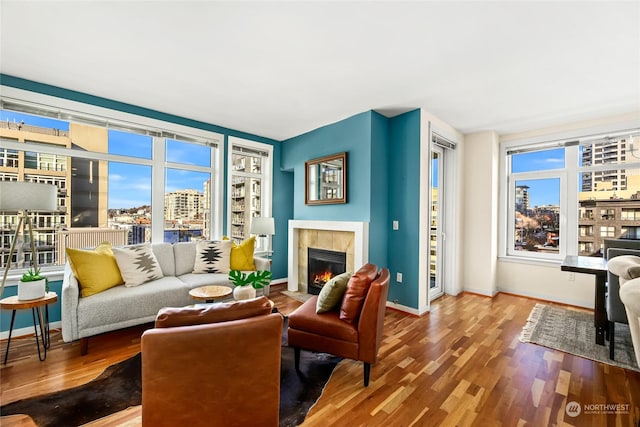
(572, 277)
(399, 277)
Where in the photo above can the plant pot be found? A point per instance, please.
(244, 292)
(31, 290)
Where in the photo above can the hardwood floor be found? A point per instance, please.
(462, 364)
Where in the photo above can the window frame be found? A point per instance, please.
(569, 201)
(74, 111)
(266, 186)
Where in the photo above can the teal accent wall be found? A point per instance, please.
(352, 135)
(379, 224)
(404, 206)
(24, 318)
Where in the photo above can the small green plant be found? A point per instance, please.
(257, 279)
(33, 276)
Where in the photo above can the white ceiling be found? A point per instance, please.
(279, 69)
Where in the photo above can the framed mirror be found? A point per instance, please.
(325, 180)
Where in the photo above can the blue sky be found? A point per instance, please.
(541, 191)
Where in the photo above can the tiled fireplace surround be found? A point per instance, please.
(351, 237)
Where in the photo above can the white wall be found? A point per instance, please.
(480, 213)
(545, 280)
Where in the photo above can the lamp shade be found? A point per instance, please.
(30, 196)
(263, 226)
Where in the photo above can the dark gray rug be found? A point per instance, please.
(573, 332)
(120, 387)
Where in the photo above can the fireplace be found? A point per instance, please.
(322, 266)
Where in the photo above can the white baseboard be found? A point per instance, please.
(279, 281)
(22, 332)
(406, 309)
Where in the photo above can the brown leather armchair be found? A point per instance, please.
(199, 373)
(337, 332)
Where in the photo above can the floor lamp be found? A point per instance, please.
(264, 227)
(22, 197)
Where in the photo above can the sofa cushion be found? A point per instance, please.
(137, 264)
(242, 254)
(164, 255)
(96, 270)
(170, 317)
(356, 292)
(332, 292)
(193, 280)
(185, 255)
(212, 256)
(125, 307)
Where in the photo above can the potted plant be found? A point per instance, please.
(32, 285)
(246, 284)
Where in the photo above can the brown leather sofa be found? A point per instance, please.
(353, 329)
(216, 365)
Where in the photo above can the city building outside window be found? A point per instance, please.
(104, 171)
(250, 171)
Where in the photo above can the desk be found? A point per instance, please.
(13, 304)
(598, 267)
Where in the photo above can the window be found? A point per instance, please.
(110, 174)
(535, 187)
(250, 165)
(566, 197)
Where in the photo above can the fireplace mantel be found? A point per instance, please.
(360, 249)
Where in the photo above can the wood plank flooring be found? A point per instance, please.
(460, 365)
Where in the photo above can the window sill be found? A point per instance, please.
(52, 273)
(530, 261)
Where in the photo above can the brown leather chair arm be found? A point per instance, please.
(213, 374)
(371, 322)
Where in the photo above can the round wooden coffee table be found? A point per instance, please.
(210, 293)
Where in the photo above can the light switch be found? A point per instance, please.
(399, 277)
(396, 225)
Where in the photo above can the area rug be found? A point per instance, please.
(120, 387)
(573, 332)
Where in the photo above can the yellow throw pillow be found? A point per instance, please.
(242, 254)
(95, 270)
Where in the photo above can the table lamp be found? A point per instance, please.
(264, 227)
(22, 197)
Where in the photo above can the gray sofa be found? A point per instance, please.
(120, 307)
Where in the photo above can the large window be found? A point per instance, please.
(124, 181)
(566, 197)
(250, 165)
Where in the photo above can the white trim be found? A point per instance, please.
(360, 243)
(410, 310)
(26, 331)
(424, 214)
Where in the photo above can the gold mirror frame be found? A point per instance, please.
(325, 180)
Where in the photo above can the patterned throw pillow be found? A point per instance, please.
(137, 264)
(212, 256)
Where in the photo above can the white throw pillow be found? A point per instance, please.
(137, 264)
(213, 257)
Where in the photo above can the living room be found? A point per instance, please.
(502, 78)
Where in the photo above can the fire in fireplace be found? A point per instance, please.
(322, 266)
